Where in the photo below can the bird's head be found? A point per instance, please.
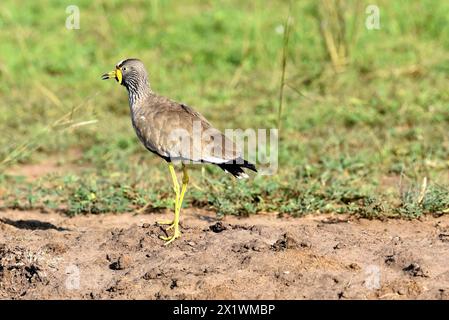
(130, 73)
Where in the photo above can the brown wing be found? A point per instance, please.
(180, 133)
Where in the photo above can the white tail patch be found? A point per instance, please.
(242, 175)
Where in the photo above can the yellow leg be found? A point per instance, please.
(176, 189)
(175, 224)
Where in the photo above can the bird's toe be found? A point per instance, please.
(170, 239)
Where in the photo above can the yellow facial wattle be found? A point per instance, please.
(118, 75)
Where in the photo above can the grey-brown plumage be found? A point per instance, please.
(175, 131)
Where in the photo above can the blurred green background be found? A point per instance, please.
(364, 112)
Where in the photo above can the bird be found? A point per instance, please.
(176, 133)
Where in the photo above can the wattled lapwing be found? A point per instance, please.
(175, 132)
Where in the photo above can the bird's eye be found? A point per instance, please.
(124, 68)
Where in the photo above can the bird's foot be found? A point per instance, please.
(170, 224)
(175, 235)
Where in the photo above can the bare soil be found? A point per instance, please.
(51, 256)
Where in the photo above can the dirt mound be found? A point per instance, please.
(263, 257)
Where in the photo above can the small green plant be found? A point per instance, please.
(419, 200)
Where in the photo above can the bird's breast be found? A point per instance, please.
(143, 128)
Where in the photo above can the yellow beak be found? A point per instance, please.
(116, 74)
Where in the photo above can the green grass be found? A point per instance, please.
(358, 141)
